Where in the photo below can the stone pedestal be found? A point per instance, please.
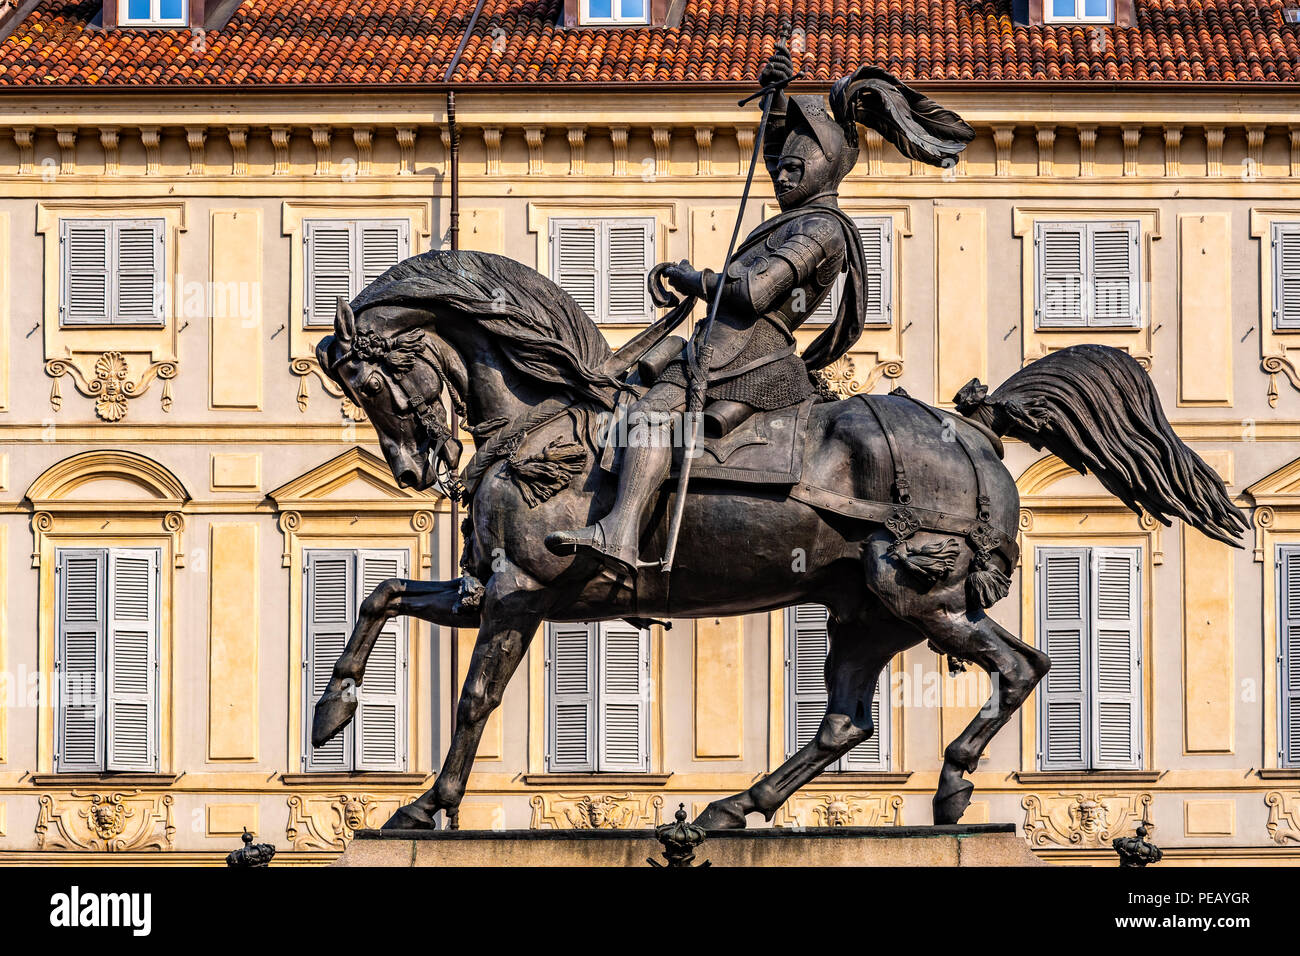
(974, 845)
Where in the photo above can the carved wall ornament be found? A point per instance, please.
(330, 821)
(108, 380)
(827, 809)
(1082, 819)
(116, 822)
(1283, 815)
(840, 377)
(627, 811)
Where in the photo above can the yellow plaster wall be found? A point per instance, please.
(233, 643)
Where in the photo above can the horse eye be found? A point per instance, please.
(372, 385)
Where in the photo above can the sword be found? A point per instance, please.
(699, 359)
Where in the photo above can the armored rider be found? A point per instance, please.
(778, 276)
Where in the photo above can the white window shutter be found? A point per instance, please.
(1063, 635)
(877, 234)
(571, 716)
(1289, 654)
(1059, 289)
(381, 704)
(329, 613)
(629, 245)
(1116, 714)
(132, 654)
(328, 261)
(807, 644)
(383, 244)
(575, 261)
(1114, 285)
(79, 666)
(1286, 275)
(624, 697)
(137, 282)
(85, 271)
(873, 754)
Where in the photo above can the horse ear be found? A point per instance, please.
(345, 323)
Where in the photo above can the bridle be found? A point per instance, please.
(397, 355)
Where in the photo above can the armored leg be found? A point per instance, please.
(614, 540)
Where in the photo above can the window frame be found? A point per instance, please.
(597, 762)
(832, 301)
(602, 225)
(1287, 696)
(586, 19)
(1278, 229)
(884, 726)
(1090, 694)
(356, 269)
(155, 18)
(1090, 322)
(1079, 17)
(113, 227)
(103, 659)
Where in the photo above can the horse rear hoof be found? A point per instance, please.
(949, 806)
(411, 817)
(333, 712)
(718, 816)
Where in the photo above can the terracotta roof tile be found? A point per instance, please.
(282, 42)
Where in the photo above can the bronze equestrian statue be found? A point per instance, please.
(905, 513)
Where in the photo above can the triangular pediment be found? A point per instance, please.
(1281, 484)
(354, 476)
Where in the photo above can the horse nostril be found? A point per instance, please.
(406, 479)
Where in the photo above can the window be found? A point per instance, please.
(807, 644)
(1087, 275)
(877, 234)
(105, 665)
(111, 272)
(160, 13)
(1286, 275)
(614, 11)
(343, 256)
(603, 264)
(338, 580)
(1288, 655)
(1079, 11)
(1089, 705)
(598, 697)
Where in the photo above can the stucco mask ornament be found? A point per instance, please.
(399, 370)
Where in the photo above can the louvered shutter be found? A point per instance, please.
(1114, 274)
(877, 246)
(1286, 275)
(383, 244)
(575, 265)
(873, 753)
(132, 648)
(82, 619)
(1289, 654)
(328, 263)
(1116, 716)
(629, 247)
(86, 270)
(570, 662)
(624, 699)
(381, 710)
(1062, 252)
(330, 611)
(138, 271)
(807, 644)
(1063, 634)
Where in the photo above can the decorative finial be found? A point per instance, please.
(250, 854)
(680, 840)
(1137, 851)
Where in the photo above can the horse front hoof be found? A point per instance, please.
(950, 804)
(718, 815)
(332, 713)
(411, 817)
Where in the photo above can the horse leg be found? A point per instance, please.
(942, 613)
(432, 601)
(512, 611)
(853, 668)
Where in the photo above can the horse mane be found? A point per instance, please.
(538, 326)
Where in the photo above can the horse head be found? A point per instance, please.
(395, 367)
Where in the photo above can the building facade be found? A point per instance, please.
(190, 512)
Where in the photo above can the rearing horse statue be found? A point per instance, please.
(905, 512)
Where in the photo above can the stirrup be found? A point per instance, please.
(570, 542)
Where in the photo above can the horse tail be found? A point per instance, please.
(1096, 409)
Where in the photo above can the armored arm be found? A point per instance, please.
(816, 250)
(779, 67)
